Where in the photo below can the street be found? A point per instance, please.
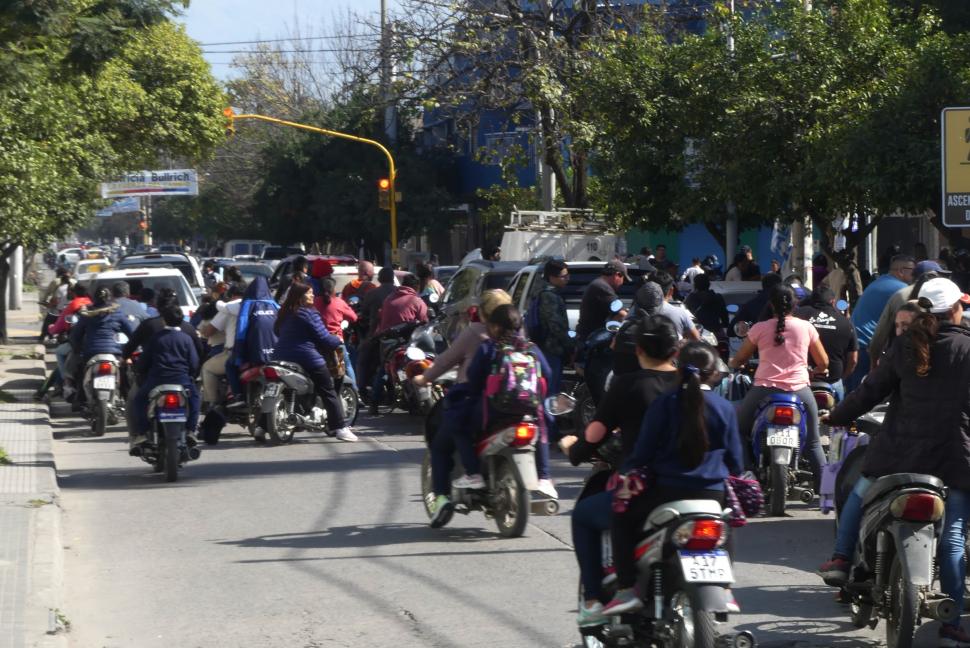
(322, 543)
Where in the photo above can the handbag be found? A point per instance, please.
(745, 499)
(335, 363)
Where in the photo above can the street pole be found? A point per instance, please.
(387, 74)
(392, 169)
(15, 281)
(545, 126)
(731, 225)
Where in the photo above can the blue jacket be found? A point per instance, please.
(302, 335)
(96, 328)
(132, 309)
(255, 338)
(868, 310)
(657, 445)
(169, 357)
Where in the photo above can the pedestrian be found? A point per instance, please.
(297, 273)
(599, 295)
(695, 269)
(680, 316)
(707, 306)
(362, 284)
(661, 262)
(868, 310)
(551, 332)
(737, 270)
(495, 254)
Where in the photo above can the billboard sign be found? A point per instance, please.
(171, 182)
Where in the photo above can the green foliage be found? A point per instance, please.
(500, 199)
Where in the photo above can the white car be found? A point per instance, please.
(153, 278)
(185, 263)
(88, 268)
(69, 256)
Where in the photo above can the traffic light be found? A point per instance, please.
(230, 125)
(384, 193)
(142, 220)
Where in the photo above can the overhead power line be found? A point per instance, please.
(287, 40)
(296, 51)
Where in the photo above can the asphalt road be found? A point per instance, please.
(322, 543)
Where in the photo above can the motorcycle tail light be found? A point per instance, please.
(917, 507)
(785, 415)
(104, 368)
(270, 373)
(171, 401)
(417, 368)
(524, 434)
(251, 374)
(700, 535)
(824, 400)
(641, 550)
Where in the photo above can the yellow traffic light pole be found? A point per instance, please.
(228, 112)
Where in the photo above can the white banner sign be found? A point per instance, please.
(121, 206)
(173, 182)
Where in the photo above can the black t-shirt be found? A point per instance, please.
(709, 309)
(594, 310)
(836, 332)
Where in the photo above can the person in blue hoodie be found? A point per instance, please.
(97, 329)
(688, 445)
(255, 335)
(301, 336)
(170, 357)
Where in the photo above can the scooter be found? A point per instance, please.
(101, 389)
(777, 438)
(289, 403)
(167, 448)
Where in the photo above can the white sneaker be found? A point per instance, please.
(137, 440)
(546, 488)
(318, 415)
(345, 434)
(469, 482)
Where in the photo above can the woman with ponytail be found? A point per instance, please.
(925, 374)
(688, 446)
(783, 345)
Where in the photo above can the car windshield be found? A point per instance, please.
(579, 278)
(276, 252)
(182, 265)
(137, 284)
(498, 279)
(251, 270)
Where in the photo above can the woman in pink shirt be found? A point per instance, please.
(334, 311)
(783, 345)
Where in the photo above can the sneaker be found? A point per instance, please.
(345, 434)
(469, 482)
(835, 572)
(546, 488)
(235, 403)
(732, 604)
(443, 510)
(626, 600)
(137, 440)
(609, 576)
(590, 616)
(953, 636)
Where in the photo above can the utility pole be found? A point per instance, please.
(802, 239)
(546, 124)
(731, 225)
(387, 77)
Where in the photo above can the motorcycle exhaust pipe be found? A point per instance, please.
(194, 453)
(545, 507)
(942, 609)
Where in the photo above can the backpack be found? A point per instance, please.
(514, 387)
(533, 324)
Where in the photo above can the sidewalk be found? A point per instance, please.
(31, 551)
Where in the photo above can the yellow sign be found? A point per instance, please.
(955, 127)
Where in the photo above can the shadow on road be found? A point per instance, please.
(363, 535)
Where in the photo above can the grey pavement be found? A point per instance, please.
(30, 547)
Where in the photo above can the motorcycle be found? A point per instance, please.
(778, 435)
(597, 368)
(685, 574)
(398, 391)
(167, 447)
(507, 453)
(101, 389)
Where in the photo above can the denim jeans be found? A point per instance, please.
(553, 381)
(953, 566)
(861, 370)
(838, 387)
(590, 519)
(349, 364)
(453, 433)
(850, 519)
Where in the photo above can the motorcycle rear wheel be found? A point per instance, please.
(694, 626)
(277, 426)
(512, 512)
(254, 407)
(903, 608)
(585, 407)
(351, 403)
(778, 482)
(99, 420)
(172, 456)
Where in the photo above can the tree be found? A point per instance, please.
(85, 91)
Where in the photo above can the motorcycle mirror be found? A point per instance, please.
(733, 308)
(741, 329)
(121, 338)
(354, 300)
(415, 354)
(842, 305)
(613, 326)
(434, 298)
(560, 404)
(72, 319)
(616, 306)
(572, 334)
(345, 325)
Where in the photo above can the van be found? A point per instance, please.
(237, 247)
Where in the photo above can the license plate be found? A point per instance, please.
(104, 382)
(273, 389)
(785, 437)
(171, 415)
(706, 566)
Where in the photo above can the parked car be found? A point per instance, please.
(67, 257)
(338, 261)
(528, 281)
(184, 263)
(233, 247)
(252, 269)
(444, 273)
(273, 254)
(154, 278)
(87, 268)
(466, 287)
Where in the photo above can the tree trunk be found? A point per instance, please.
(4, 276)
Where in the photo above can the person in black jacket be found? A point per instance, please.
(707, 306)
(622, 410)
(926, 376)
(169, 358)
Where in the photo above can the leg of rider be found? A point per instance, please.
(232, 377)
(366, 362)
(850, 519)
(553, 382)
(542, 456)
(838, 388)
(953, 567)
(140, 408)
(192, 416)
(442, 452)
(459, 417)
(591, 517)
(814, 449)
(747, 409)
(211, 370)
(348, 363)
(323, 384)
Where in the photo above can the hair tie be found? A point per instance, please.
(691, 369)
